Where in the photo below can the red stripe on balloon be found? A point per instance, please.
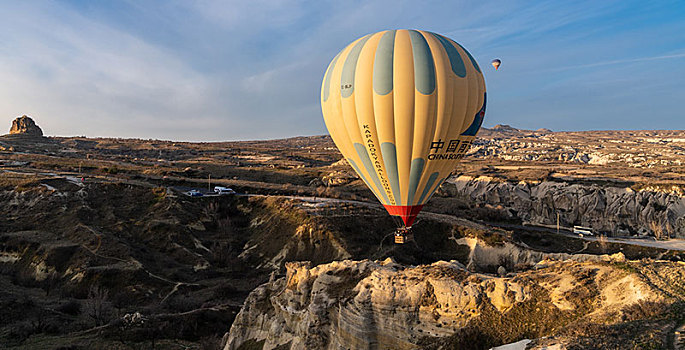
(407, 213)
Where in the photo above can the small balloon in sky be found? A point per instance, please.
(496, 62)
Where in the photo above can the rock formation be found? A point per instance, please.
(615, 210)
(384, 305)
(24, 125)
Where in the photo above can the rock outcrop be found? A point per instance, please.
(342, 174)
(24, 125)
(384, 305)
(507, 255)
(615, 210)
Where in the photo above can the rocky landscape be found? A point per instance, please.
(385, 305)
(644, 149)
(100, 248)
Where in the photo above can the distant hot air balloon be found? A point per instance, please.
(496, 62)
(403, 107)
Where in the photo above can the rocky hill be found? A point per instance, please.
(76, 258)
(384, 305)
(25, 126)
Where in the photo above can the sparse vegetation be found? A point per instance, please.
(97, 305)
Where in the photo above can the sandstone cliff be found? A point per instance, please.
(384, 305)
(615, 210)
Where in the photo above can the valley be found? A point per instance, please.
(100, 247)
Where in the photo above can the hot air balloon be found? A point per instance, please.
(403, 107)
(496, 62)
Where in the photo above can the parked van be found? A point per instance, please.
(223, 190)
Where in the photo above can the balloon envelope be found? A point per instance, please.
(496, 62)
(403, 107)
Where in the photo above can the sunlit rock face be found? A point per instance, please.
(383, 305)
(25, 126)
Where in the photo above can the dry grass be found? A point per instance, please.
(19, 182)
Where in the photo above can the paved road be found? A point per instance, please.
(671, 244)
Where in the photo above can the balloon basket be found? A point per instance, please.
(403, 235)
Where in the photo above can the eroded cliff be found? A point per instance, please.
(384, 305)
(611, 209)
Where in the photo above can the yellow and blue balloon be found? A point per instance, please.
(403, 107)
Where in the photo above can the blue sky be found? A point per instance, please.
(239, 70)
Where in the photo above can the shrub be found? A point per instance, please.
(71, 307)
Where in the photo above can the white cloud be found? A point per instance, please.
(217, 70)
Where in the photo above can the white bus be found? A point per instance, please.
(581, 230)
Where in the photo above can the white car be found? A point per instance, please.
(194, 193)
(223, 190)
